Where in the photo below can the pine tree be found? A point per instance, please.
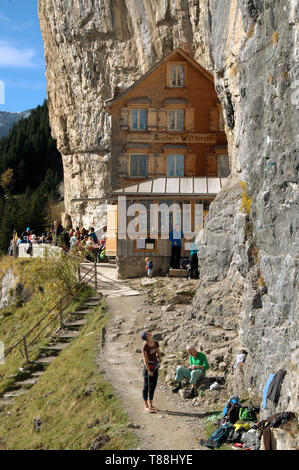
(30, 173)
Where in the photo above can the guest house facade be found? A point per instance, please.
(168, 146)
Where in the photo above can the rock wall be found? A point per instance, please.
(7, 284)
(249, 276)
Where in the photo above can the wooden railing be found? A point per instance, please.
(69, 297)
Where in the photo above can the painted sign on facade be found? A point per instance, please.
(173, 139)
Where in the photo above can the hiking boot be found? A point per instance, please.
(176, 389)
(193, 393)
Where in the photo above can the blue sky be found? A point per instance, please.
(22, 63)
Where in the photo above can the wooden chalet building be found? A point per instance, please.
(168, 145)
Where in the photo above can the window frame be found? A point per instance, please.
(138, 154)
(176, 64)
(139, 120)
(175, 164)
(176, 110)
(148, 250)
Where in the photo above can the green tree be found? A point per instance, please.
(31, 170)
(8, 180)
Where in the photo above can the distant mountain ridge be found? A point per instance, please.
(8, 119)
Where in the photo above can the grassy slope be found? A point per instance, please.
(17, 320)
(75, 403)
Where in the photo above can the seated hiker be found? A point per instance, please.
(194, 371)
(26, 234)
(93, 235)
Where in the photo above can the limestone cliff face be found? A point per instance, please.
(249, 263)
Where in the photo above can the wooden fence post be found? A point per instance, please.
(26, 349)
(95, 275)
(61, 313)
(14, 245)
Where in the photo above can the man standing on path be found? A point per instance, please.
(175, 237)
(194, 371)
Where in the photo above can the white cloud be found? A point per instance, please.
(11, 56)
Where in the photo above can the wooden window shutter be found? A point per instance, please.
(124, 119)
(123, 165)
(162, 120)
(111, 235)
(151, 164)
(214, 119)
(190, 164)
(189, 124)
(152, 119)
(220, 117)
(212, 164)
(160, 164)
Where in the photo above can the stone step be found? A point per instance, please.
(6, 401)
(75, 323)
(68, 334)
(46, 360)
(38, 373)
(55, 347)
(31, 381)
(84, 311)
(14, 393)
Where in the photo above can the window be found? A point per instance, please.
(145, 244)
(138, 119)
(176, 75)
(138, 165)
(175, 165)
(176, 119)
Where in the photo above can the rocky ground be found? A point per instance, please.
(181, 422)
(170, 318)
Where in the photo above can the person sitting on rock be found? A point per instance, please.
(194, 371)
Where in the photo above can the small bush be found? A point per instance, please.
(6, 312)
(18, 303)
(246, 199)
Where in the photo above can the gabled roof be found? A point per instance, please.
(185, 56)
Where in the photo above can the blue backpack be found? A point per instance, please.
(221, 434)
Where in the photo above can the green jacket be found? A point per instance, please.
(199, 360)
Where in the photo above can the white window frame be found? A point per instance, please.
(146, 170)
(176, 111)
(175, 164)
(138, 119)
(176, 66)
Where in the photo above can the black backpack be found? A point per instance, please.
(232, 413)
(29, 249)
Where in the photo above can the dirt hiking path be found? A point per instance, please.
(173, 427)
